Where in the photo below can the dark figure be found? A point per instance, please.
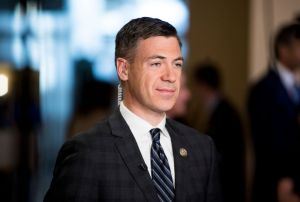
(93, 99)
(138, 154)
(225, 127)
(273, 111)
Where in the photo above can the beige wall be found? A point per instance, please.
(218, 30)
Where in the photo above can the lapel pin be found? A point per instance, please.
(183, 152)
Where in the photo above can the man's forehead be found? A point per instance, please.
(156, 38)
(159, 42)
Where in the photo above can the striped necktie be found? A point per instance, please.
(161, 173)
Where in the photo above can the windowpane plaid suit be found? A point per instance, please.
(104, 164)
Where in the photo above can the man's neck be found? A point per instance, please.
(152, 117)
(287, 66)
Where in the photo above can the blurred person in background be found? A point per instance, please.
(286, 191)
(179, 110)
(225, 127)
(273, 106)
(93, 99)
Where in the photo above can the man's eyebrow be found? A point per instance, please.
(156, 57)
(179, 58)
(163, 57)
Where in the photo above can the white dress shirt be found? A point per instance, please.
(287, 77)
(141, 132)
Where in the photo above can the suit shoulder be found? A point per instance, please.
(189, 132)
(180, 127)
(265, 89)
(269, 81)
(226, 108)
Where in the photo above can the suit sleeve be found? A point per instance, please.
(72, 178)
(213, 188)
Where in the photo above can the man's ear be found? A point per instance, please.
(122, 69)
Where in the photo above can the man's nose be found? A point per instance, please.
(169, 73)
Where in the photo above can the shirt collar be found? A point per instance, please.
(286, 76)
(138, 125)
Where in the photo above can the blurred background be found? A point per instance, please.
(57, 74)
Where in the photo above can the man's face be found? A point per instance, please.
(291, 55)
(295, 53)
(153, 80)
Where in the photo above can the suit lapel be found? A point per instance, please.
(180, 161)
(131, 155)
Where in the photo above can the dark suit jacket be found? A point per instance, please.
(104, 164)
(225, 128)
(275, 131)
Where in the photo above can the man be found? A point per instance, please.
(273, 109)
(224, 126)
(137, 154)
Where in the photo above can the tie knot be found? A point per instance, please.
(155, 133)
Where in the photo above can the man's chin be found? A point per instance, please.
(164, 107)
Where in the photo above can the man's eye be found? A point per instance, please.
(156, 64)
(179, 65)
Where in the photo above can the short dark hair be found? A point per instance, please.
(207, 73)
(141, 28)
(285, 37)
